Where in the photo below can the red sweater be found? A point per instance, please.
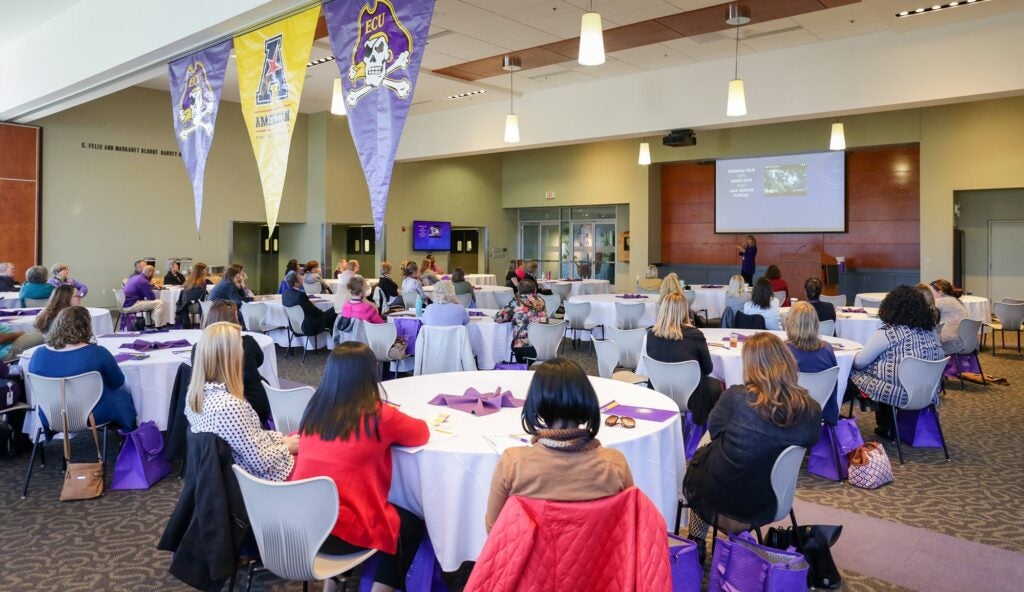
(361, 468)
(779, 285)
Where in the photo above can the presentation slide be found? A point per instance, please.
(788, 193)
(431, 236)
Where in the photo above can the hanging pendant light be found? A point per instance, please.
(645, 154)
(337, 99)
(511, 64)
(591, 39)
(838, 140)
(736, 105)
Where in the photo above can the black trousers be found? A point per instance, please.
(748, 277)
(392, 569)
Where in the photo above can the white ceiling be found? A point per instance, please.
(466, 30)
(21, 16)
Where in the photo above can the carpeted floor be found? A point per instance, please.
(109, 543)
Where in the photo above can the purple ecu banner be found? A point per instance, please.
(196, 82)
(379, 45)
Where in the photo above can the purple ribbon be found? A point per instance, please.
(141, 345)
(477, 403)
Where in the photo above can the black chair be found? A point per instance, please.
(744, 321)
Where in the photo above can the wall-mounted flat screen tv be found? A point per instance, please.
(431, 236)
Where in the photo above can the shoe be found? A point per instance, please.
(702, 549)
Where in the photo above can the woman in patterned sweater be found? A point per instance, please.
(525, 308)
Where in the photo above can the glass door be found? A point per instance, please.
(583, 249)
(550, 250)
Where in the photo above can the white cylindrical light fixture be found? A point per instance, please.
(591, 40)
(838, 141)
(736, 105)
(645, 154)
(511, 128)
(338, 99)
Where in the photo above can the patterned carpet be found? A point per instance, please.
(110, 543)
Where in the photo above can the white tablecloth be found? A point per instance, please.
(486, 296)
(150, 380)
(602, 308)
(582, 287)
(855, 326)
(169, 296)
(9, 300)
(277, 317)
(491, 342)
(978, 307)
(102, 323)
(482, 279)
(709, 299)
(448, 482)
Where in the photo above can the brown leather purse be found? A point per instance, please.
(82, 481)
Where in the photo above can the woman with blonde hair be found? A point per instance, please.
(670, 284)
(812, 353)
(729, 478)
(736, 294)
(216, 404)
(445, 309)
(674, 339)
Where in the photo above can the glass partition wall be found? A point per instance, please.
(570, 242)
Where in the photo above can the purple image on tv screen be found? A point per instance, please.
(431, 235)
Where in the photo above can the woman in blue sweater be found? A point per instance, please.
(69, 351)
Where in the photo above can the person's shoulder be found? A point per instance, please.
(693, 333)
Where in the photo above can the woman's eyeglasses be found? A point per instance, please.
(617, 420)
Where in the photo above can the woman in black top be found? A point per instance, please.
(674, 339)
(193, 291)
(729, 478)
(174, 276)
(386, 284)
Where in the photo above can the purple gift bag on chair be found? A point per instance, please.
(141, 462)
(919, 428)
(687, 574)
(741, 565)
(692, 433)
(424, 573)
(822, 461)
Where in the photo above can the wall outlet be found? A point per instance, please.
(927, 260)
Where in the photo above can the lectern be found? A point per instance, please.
(798, 266)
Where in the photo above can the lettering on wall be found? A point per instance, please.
(130, 149)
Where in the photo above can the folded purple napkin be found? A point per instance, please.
(613, 408)
(631, 296)
(476, 313)
(141, 345)
(20, 312)
(739, 337)
(477, 403)
(712, 286)
(124, 357)
(850, 309)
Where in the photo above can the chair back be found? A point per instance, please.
(785, 472)
(607, 357)
(295, 317)
(253, 314)
(36, 302)
(314, 288)
(466, 300)
(348, 329)
(551, 303)
(780, 296)
(1010, 315)
(206, 305)
(870, 302)
(690, 297)
(819, 384)
(827, 328)
(380, 337)
(443, 349)
(629, 342)
(677, 380)
(968, 330)
(562, 289)
(409, 298)
(576, 313)
(119, 297)
(546, 338)
(290, 521)
(742, 320)
(287, 406)
(728, 319)
(81, 392)
(627, 316)
(920, 378)
(837, 300)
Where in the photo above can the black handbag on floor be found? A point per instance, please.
(814, 542)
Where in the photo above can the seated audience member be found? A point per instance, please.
(427, 275)
(231, 287)
(216, 404)
(312, 277)
(358, 307)
(929, 298)
(763, 303)
(445, 309)
(70, 350)
(566, 462)
(35, 286)
(527, 307)
(346, 434)
(826, 310)
(12, 389)
(61, 277)
(390, 294)
(292, 265)
(315, 320)
(411, 282)
(12, 343)
(139, 296)
(736, 294)
(223, 311)
(670, 285)
(532, 272)
(729, 477)
(812, 353)
(139, 266)
(193, 290)
(174, 276)
(908, 330)
(63, 297)
(7, 281)
(511, 279)
(339, 268)
(774, 275)
(461, 285)
(951, 312)
(341, 296)
(674, 339)
(434, 267)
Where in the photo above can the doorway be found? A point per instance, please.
(465, 251)
(256, 249)
(992, 222)
(569, 242)
(354, 242)
(1006, 266)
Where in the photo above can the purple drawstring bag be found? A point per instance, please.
(683, 563)
(141, 462)
(424, 573)
(966, 364)
(692, 433)
(740, 564)
(822, 460)
(919, 428)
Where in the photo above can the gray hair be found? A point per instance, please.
(57, 268)
(291, 278)
(444, 292)
(6, 267)
(37, 274)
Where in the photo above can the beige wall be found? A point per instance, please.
(977, 209)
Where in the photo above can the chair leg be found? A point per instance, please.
(305, 586)
(959, 373)
(31, 462)
(679, 516)
(231, 583)
(835, 452)
(796, 529)
(896, 428)
(248, 582)
(305, 348)
(942, 438)
(760, 537)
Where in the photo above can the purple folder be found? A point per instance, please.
(739, 337)
(614, 408)
(477, 403)
(476, 313)
(20, 312)
(141, 345)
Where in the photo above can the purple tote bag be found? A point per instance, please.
(687, 575)
(424, 573)
(141, 462)
(919, 428)
(741, 565)
(692, 433)
(822, 460)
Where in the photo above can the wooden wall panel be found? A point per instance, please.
(883, 203)
(19, 196)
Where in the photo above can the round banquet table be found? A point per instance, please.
(602, 308)
(491, 297)
(448, 481)
(10, 300)
(102, 323)
(710, 298)
(150, 380)
(491, 342)
(582, 287)
(729, 365)
(482, 279)
(854, 326)
(978, 307)
(277, 317)
(169, 296)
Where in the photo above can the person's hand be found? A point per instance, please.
(292, 442)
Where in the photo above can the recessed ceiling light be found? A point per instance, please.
(464, 95)
(936, 7)
(319, 61)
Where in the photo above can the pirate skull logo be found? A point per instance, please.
(383, 47)
(196, 103)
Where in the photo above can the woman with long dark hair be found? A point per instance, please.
(748, 252)
(346, 434)
(64, 296)
(762, 302)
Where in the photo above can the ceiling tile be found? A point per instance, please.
(611, 68)
(652, 57)
(506, 32)
(462, 46)
(779, 40)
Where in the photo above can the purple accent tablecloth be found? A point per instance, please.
(409, 328)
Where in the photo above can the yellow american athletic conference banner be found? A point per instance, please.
(271, 70)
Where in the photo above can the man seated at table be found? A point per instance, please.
(139, 296)
(826, 310)
(7, 281)
(316, 320)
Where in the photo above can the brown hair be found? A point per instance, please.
(311, 265)
(770, 373)
(801, 326)
(385, 267)
(72, 326)
(673, 315)
(197, 277)
(59, 300)
(221, 311)
(944, 286)
(773, 272)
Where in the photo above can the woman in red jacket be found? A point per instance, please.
(346, 434)
(774, 275)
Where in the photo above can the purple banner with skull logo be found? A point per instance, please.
(379, 45)
(196, 82)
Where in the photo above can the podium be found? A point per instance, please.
(798, 266)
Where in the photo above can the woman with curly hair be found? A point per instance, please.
(908, 330)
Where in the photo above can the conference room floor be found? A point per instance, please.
(969, 508)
